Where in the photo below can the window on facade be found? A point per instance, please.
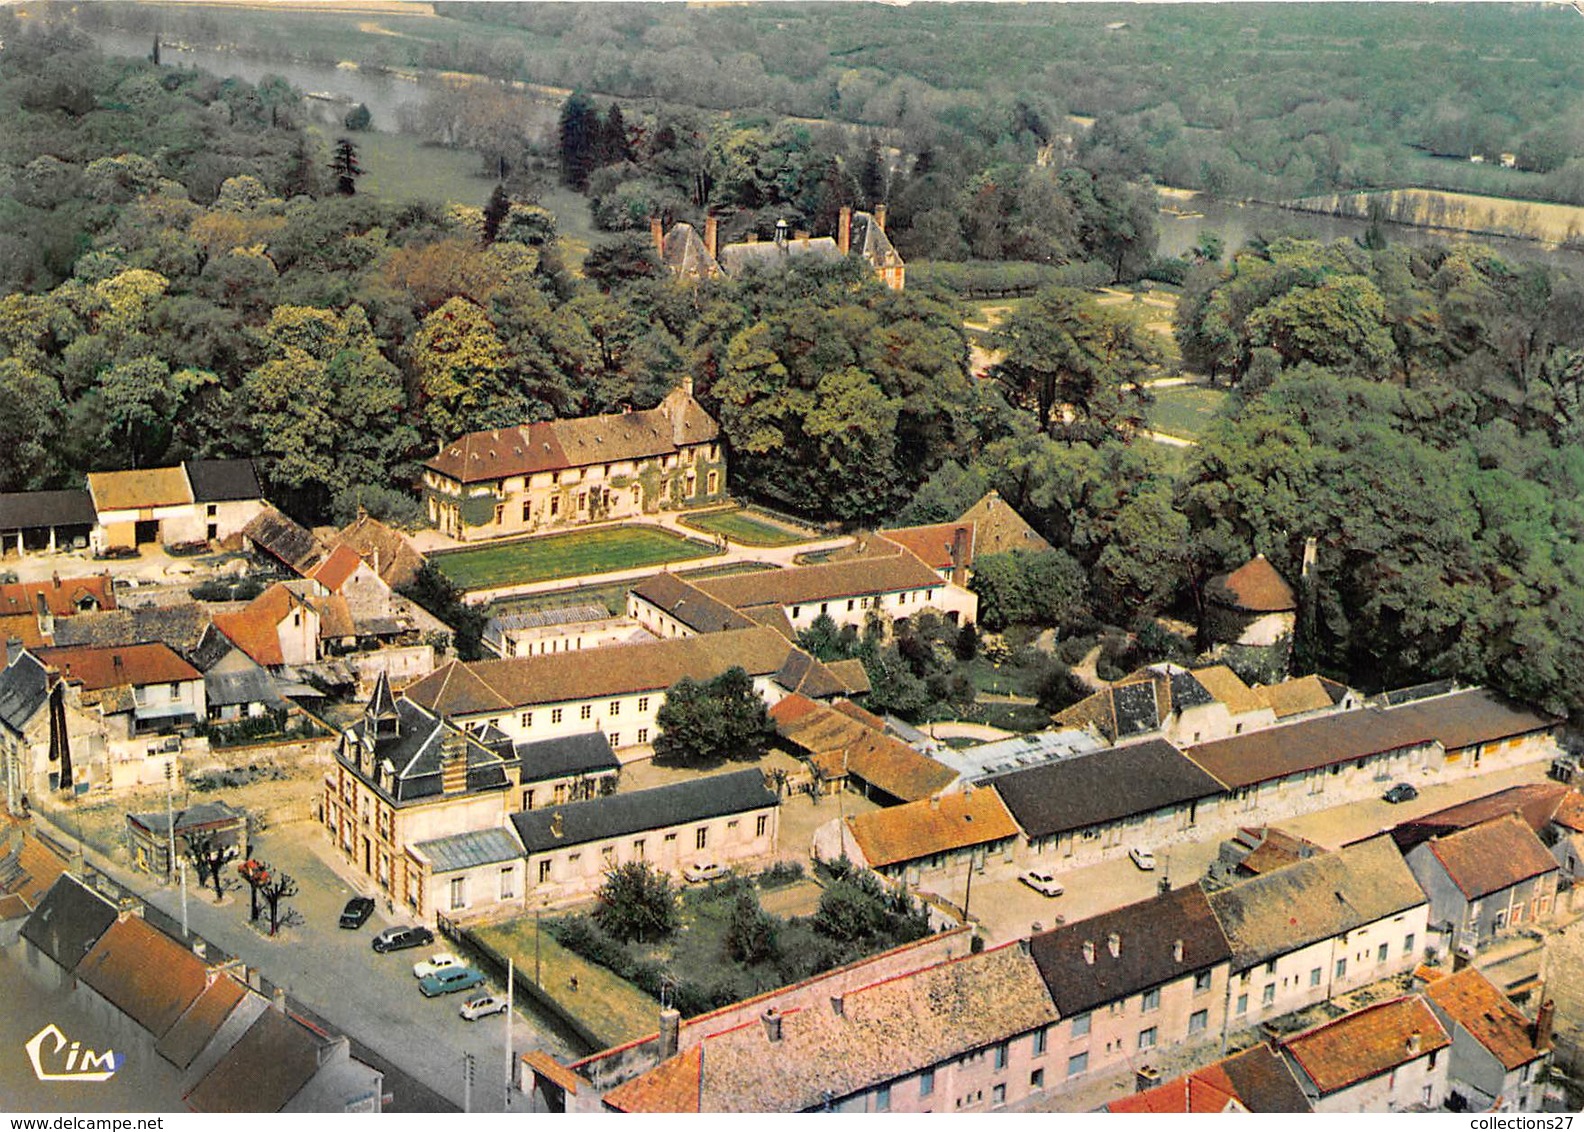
(615, 739)
(643, 703)
(883, 1098)
(1408, 942)
(555, 715)
(1040, 1037)
(615, 707)
(643, 735)
(638, 850)
(1001, 1056)
(1341, 968)
(1037, 1079)
(998, 1095)
(1268, 995)
(544, 872)
(1201, 982)
(1151, 999)
(701, 838)
(1078, 1063)
(1080, 1025)
(670, 837)
(927, 1082)
(1381, 952)
(1434, 1054)
(1270, 968)
(761, 823)
(459, 892)
(555, 506)
(508, 883)
(1314, 977)
(1147, 1038)
(1198, 1021)
(586, 711)
(1242, 1004)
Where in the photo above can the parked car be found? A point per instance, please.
(449, 981)
(357, 912)
(439, 961)
(701, 871)
(1042, 882)
(395, 939)
(1143, 858)
(482, 1007)
(1402, 792)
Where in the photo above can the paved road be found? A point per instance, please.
(372, 998)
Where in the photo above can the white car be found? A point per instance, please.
(482, 1006)
(1143, 858)
(1042, 882)
(439, 961)
(701, 871)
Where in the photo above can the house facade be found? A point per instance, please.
(691, 256)
(1486, 881)
(1499, 1057)
(556, 474)
(200, 501)
(1390, 1057)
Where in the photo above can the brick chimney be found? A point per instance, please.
(1544, 1020)
(657, 234)
(453, 763)
(880, 216)
(844, 231)
(1415, 1042)
(670, 1032)
(772, 1023)
(959, 555)
(711, 234)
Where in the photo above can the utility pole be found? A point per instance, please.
(170, 819)
(536, 947)
(968, 892)
(511, 984)
(184, 897)
(467, 1082)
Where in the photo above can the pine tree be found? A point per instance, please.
(344, 164)
(580, 135)
(614, 147)
(154, 54)
(495, 212)
(872, 177)
(301, 176)
(358, 118)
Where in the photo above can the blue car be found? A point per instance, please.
(449, 980)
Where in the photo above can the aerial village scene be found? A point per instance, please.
(785, 557)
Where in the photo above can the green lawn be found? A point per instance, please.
(613, 596)
(741, 525)
(1185, 410)
(610, 1008)
(403, 170)
(577, 553)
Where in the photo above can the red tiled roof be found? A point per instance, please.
(1254, 587)
(61, 595)
(333, 572)
(1204, 1090)
(1474, 1002)
(931, 825)
(1570, 814)
(935, 544)
(97, 669)
(256, 629)
(144, 973)
(1367, 1043)
(23, 627)
(1492, 856)
(671, 1086)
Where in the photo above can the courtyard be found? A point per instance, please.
(599, 550)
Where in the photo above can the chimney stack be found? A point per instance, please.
(557, 825)
(1544, 1020)
(959, 556)
(1088, 951)
(1177, 950)
(880, 216)
(278, 1000)
(1415, 1040)
(772, 1023)
(844, 231)
(55, 577)
(453, 763)
(670, 1032)
(838, 1008)
(657, 234)
(1146, 1078)
(1114, 945)
(711, 234)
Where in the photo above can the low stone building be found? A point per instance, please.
(1256, 1080)
(930, 840)
(149, 836)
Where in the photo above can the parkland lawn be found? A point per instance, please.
(742, 526)
(575, 554)
(1184, 410)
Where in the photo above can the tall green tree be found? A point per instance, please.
(579, 133)
(707, 722)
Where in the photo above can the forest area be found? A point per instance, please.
(183, 275)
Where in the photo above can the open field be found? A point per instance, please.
(403, 170)
(598, 551)
(606, 1005)
(742, 525)
(1185, 410)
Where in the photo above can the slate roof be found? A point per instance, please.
(1315, 899)
(192, 818)
(186, 1039)
(684, 252)
(180, 626)
(221, 481)
(944, 1011)
(415, 756)
(32, 510)
(144, 974)
(136, 490)
(268, 1066)
(1259, 1079)
(545, 618)
(398, 561)
(470, 849)
(1458, 720)
(1366, 1043)
(827, 581)
(998, 528)
(99, 669)
(869, 240)
(1254, 587)
(950, 822)
(699, 799)
(698, 610)
(1472, 1001)
(1143, 701)
(491, 454)
(68, 921)
(1492, 856)
(768, 254)
(1537, 803)
(1146, 934)
(285, 539)
(458, 689)
(545, 759)
(1106, 786)
(24, 688)
(61, 595)
(249, 686)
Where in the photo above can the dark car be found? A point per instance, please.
(1402, 792)
(357, 912)
(395, 939)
